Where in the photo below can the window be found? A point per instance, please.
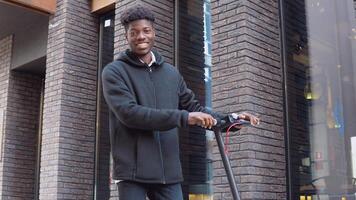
(194, 63)
(321, 68)
(103, 162)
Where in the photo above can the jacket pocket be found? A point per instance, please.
(149, 161)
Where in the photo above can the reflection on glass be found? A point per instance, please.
(194, 61)
(207, 52)
(321, 68)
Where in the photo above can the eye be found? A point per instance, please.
(132, 33)
(147, 31)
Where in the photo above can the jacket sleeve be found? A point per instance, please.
(123, 104)
(187, 101)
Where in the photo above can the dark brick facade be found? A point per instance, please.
(68, 143)
(247, 76)
(21, 107)
(5, 63)
(21, 134)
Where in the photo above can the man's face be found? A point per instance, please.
(140, 36)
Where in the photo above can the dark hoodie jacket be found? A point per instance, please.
(147, 105)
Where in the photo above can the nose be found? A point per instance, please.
(140, 35)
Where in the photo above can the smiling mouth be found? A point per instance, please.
(142, 45)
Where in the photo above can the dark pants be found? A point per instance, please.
(129, 190)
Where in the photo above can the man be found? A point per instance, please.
(148, 101)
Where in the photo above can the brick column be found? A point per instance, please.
(19, 110)
(68, 142)
(5, 63)
(247, 76)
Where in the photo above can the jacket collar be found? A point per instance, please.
(153, 59)
(130, 58)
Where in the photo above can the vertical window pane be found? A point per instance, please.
(194, 62)
(321, 68)
(103, 183)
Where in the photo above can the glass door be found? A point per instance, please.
(321, 97)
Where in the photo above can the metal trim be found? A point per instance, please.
(285, 92)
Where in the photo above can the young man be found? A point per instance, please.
(148, 101)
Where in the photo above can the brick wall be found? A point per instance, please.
(5, 63)
(21, 100)
(247, 76)
(68, 141)
(21, 136)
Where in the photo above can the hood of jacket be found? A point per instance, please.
(130, 58)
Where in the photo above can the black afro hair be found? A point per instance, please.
(136, 13)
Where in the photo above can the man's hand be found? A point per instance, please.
(201, 119)
(249, 117)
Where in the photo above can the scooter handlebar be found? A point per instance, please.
(234, 118)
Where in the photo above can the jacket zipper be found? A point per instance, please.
(160, 151)
(159, 138)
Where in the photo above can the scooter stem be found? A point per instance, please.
(227, 165)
